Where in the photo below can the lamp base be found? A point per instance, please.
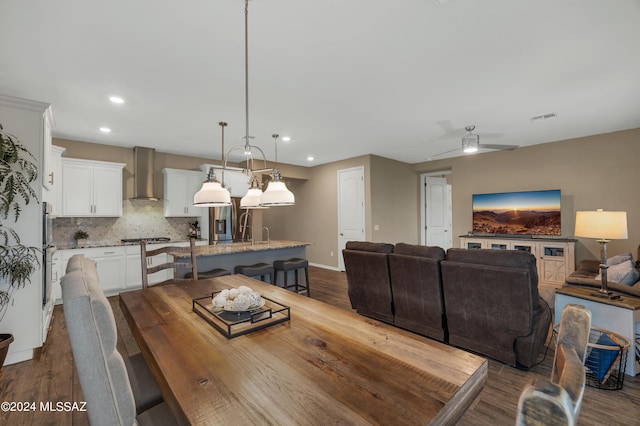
(605, 295)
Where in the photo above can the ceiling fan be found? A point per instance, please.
(471, 144)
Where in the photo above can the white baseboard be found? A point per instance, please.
(318, 265)
(15, 357)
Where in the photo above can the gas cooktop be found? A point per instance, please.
(146, 240)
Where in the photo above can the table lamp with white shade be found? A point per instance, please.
(605, 226)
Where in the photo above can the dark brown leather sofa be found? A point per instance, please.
(368, 277)
(485, 301)
(589, 269)
(492, 304)
(417, 289)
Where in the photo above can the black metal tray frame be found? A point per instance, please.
(234, 324)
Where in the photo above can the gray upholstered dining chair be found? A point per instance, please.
(107, 384)
(149, 268)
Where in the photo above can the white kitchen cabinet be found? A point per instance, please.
(236, 181)
(91, 188)
(47, 166)
(134, 268)
(110, 262)
(179, 188)
(555, 258)
(53, 193)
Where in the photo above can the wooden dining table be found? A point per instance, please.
(325, 365)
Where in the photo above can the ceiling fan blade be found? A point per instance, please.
(500, 147)
(446, 152)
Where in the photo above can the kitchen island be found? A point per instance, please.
(228, 255)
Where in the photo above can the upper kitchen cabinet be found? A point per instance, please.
(47, 166)
(91, 188)
(53, 194)
(179, 188)
(236, 181)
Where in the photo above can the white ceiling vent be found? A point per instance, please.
(543, 117)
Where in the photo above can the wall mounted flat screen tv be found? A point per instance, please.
(517, 213)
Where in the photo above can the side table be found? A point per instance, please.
(621, 316)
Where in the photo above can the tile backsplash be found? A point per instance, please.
(139, 219)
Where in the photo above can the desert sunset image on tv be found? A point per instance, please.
(517, 213)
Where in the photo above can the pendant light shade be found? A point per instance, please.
(277, 194)
(212, 194)
(253, 197)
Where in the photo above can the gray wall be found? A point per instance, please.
(592, 172)
(314, 218)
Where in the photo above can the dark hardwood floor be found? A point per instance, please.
(51, 376)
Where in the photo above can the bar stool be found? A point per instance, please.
(209, 274)
(295, 264)
(258, 270)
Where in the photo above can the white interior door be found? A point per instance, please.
(350, 208)
(436, 217)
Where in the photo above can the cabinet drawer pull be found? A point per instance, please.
(109, 252)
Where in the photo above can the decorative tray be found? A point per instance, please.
(237, 323)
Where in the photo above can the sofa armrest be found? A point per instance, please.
(589, 266)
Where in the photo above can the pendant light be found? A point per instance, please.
(253, 197)
(212, 193)
(277, 193)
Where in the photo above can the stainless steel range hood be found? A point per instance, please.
(144, 174)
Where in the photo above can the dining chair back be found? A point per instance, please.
(169, 258)
(557, 401)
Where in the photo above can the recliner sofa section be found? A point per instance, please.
(492, 304)
(369, 280)
(416, 284)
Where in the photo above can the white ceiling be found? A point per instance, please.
(396, 78)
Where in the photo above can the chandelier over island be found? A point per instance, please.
(214, 193)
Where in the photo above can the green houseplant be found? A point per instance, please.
(17, 261)
(81, 238)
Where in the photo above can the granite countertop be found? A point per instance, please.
(240, 247)
(207, 250)
(102, 244)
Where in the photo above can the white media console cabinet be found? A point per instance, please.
(555, 257)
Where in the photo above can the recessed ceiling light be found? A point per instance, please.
(310, 158)
(116, 99)
(286, 138)
(105, 130)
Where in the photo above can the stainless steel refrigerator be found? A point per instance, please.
(224, 223)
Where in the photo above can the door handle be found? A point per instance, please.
(341, 234)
